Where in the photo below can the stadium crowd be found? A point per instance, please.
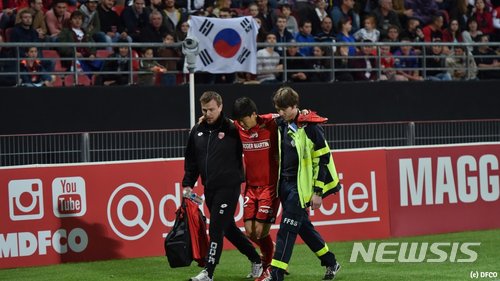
(281, 21)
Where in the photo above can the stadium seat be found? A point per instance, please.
(83, 80)
(57, 81)
(54, 55)
(103, 53)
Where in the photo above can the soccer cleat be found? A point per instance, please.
(265, 276)
(256, 270)
(331, 271)
(202, 276)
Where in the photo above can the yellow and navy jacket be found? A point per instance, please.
(316, 169)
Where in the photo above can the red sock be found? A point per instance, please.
(267, 249)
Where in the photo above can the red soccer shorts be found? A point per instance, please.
(261, 203)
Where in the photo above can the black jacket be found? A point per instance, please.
(214, 153)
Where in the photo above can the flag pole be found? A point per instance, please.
(190, 50)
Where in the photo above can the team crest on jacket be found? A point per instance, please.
(254, 135)
(200, 134)
(221, 135)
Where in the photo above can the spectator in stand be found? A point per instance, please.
(387, 64)
(386, 16)
(8, 9)
(7, 66)
(296, 65)
(281, 32)
(181, 31)
(154, 31)
(253, 10)
(365, 64)
(496, 23)
(461, 65)
(369, 31)
(32, 71)
(38, 15)
(452, 34)
(170, 58)
(91, 23)
(267, 14)
(415, 33)
(118, 66)
(172, 16)
(326, 34)
(341, 64)
(316, 15)
(393, 37)
(321, 64)
(435, 64)
(424, 10)
(346, 11)
(111, 25)
(484, 17)
(135, 18)
(57, 18)
(261, 35)
(75, 34)
(433, 29)
(149, 65)
(23, 31)
(413, 30)
(472, 34)
(291, 22)
(305, 36)
(487, 60)
(460, 11)
(268, 62)
(406, 62)
(343, 35)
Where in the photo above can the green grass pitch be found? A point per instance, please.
(304, 266)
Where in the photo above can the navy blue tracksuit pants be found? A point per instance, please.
(295, 220)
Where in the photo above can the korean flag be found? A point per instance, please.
(226, 45)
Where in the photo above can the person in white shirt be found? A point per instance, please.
(369, 31)
(268, 62)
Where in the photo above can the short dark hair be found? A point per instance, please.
(285, 97)
(243, 107)
(76, 14)
(211, 95)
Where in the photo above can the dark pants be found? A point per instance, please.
(222, 205)
(295, 220)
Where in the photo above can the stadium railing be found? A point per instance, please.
(133, 59)
(133, 145)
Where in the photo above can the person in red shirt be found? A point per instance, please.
(433, 29)
(484, 17)
(258, 134)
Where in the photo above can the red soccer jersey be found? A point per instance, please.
(260, 150)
